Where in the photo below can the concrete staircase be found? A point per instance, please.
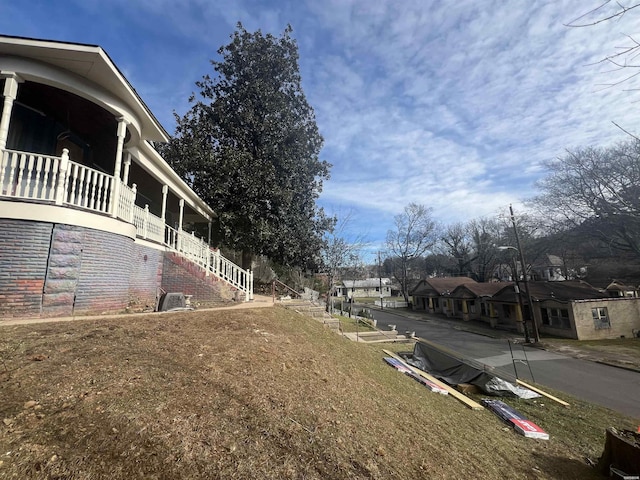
(313, 310)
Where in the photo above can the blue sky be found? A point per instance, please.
(452, 104)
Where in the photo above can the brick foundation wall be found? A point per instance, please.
(54, 270)
(145, 278)
(181, 275)
(24, 251)
(103, 283)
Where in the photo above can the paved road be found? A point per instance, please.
(612, 387)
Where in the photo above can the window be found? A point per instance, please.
(545, 316)
(472, 306)
(600, 318)
(484, 311)
(556, 317)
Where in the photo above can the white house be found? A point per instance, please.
(370, 287)
(91, 217)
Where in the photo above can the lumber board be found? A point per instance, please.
(452, 391)
(542, 392)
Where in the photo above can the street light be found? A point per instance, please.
(536, 334)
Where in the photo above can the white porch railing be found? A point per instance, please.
(61, 181)
(199, 251)
(148, 226)
(126, 202)
(28, 175)
(231, 273)
(55, 179)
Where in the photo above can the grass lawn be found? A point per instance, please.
(350, 325)
(255, 394)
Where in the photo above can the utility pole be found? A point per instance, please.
(380, 278)
(536, 335)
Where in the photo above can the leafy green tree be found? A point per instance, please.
(249, 146)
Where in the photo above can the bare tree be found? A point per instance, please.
(625, 58)
(458, 244)
(598, 191)
(414, 234)
(485, 236)
(340, 253)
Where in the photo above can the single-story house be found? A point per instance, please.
(432, 294)
(92, 218)
(472, 301)
(570, 309)
(370, 287)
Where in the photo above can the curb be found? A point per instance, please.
(499, 337)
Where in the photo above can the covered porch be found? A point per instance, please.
(73, 152)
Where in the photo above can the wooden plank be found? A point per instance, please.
(452, 391)
(542, 392)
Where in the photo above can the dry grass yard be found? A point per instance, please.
(259, 394)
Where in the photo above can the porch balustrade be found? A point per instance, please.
(126, 202)
(60, 181)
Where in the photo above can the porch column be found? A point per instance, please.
(209, 235)
(181, 203)
(127, 164)
(10, 93)
(493, 315)
(115, 187)
(165, 191)
(518, 313)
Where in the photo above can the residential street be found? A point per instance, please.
(612, 387)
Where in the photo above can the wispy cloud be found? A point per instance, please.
(455, 105)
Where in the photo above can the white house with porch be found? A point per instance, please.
(91, 216)
(370, 287)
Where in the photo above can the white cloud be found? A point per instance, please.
(451, 104)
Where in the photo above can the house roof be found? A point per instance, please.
(564, 291)
(485, 289)
(549, 260)
(440, 285)
(92, 63)
(616, 286)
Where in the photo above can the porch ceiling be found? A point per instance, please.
(92, 63)
(72, 111)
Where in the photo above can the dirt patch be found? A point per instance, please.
(621, 352)
(251, 394)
